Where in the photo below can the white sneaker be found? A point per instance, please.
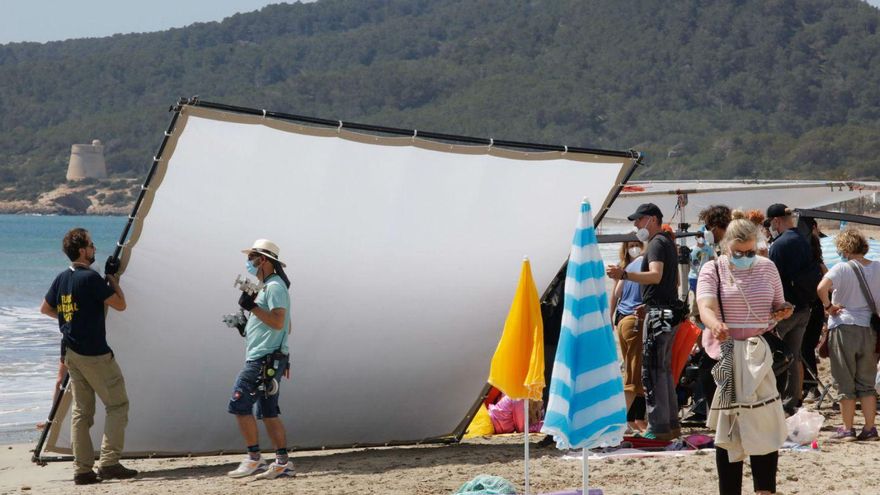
(247, 467)
(276, 470)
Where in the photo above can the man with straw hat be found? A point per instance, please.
(267, 353)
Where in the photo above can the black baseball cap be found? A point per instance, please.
(646, 210)
(778, 210)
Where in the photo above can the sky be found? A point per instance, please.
(50, 20)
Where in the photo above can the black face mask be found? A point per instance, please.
(91, 259)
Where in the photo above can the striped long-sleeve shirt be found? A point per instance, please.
(749, 296)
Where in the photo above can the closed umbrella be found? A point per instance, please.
(518, 364)
(586, 407)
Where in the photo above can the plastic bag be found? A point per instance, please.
(804, 426)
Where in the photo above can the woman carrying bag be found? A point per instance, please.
(851, 340)
(740, 298)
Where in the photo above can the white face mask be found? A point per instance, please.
(635, 252)
(642, 234)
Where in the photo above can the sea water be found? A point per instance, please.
(30, 258)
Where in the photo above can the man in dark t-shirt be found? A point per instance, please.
(658, 278)
(800, 275)
(77, 299)
(661, 248)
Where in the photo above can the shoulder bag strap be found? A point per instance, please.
(866, 291)
(718, 289)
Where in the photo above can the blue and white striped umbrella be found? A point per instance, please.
(831, 258)
(586, 407)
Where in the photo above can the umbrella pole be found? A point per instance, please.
(526, 440)
(586, 471)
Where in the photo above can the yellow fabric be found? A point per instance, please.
(481, 425)
(518, 365)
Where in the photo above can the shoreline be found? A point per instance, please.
(35, 209)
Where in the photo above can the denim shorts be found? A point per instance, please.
(245, 393)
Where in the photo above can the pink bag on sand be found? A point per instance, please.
(699, 441)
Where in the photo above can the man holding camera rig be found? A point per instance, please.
(267, 355)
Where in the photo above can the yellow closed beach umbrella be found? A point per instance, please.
(518, 364)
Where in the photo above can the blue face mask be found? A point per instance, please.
(742, 263)
(249, 266)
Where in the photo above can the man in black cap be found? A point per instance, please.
(800, 276)
(658, 278)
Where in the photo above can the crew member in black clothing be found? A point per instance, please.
(816, 322)
(800, 277)
(78, 299)
(658, 278)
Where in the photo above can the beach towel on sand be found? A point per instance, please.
(486, 485)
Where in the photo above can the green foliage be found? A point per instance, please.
(707, 88)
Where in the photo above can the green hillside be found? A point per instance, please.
(708, 89)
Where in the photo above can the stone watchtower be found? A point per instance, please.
(87, 161)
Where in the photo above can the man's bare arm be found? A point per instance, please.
(650, 277)
(48, 310)
(117, 300)
(274, 318)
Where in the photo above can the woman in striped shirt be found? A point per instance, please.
(752, 302)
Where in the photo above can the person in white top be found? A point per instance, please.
(852, 344)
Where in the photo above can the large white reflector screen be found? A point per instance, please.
(403, 254)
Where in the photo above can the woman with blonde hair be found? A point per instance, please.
(740, 298)
(852, 343)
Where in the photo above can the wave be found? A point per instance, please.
(27, 392)
(20, 410)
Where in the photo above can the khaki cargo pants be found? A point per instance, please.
(90, 375)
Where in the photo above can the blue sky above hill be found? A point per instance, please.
(51, 20)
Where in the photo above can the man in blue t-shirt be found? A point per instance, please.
(77, 299)
(266, 333)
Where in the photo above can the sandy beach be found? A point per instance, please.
(835, 467)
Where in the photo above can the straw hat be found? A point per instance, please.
(267, 248)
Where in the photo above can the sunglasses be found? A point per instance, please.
(253, 256)
(748, 254)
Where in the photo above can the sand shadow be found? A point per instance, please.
(368, 461)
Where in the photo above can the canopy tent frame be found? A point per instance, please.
(834, 215)
(126, 236)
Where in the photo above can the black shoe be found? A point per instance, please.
(88, 478)
(116, 472)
